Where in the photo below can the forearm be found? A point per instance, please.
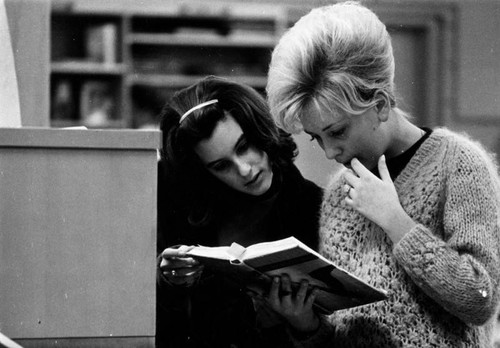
(398, 225)
(464, 283)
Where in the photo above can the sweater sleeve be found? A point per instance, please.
(458, 265)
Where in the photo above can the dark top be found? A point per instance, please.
(217, 312)
(396, 164)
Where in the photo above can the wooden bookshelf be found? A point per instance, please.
(157, 50)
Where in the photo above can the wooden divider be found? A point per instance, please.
(77, 237)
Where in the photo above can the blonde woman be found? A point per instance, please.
(415, 211)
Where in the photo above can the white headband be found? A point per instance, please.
(202, 105)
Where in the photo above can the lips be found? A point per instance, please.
(253, 180)
(346, 163)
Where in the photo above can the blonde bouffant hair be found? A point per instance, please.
(337, 57)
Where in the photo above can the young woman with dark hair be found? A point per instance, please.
(226, 175)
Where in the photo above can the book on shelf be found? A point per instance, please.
(63, 101)
(101, 42)
(256, 265)
(96, 103)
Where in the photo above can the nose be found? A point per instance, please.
(330, 150)
(329, 153)
(243, 167)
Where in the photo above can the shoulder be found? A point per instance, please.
(295, 181)
(461, 142)
(299, 204)
(468, 163)
(463, 152)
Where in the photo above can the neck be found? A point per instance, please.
(404, 136)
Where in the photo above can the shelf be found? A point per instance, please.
(113, 124)
(181, 81)
(206, 39)
(83, 67)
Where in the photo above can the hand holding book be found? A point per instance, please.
(257, 264)
(296, 306)
(179, 269)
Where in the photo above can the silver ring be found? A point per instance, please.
(347, 189)
(173, 273)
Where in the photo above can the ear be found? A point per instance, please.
(382, 107)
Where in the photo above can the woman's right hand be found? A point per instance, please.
(178, 269)
(295, 306)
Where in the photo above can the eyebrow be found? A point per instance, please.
(236, 145)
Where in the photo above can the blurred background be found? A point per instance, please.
(113, 64)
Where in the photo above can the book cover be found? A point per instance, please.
(101, 43)
(255, 266)
(96, 103)
(63, 104)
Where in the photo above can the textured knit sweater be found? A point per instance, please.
(442, 276)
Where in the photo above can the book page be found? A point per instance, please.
(210, 252)
(257, 264)
(338, 288)
(236, 251)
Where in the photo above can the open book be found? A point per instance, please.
(255, 266)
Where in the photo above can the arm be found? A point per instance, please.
(460, 270)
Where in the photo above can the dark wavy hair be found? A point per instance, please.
(189, 182)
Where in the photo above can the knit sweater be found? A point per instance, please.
(442, 276)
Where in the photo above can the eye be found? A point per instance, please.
(243, 146)
(337, 133)
(317, 139)
(220, 166)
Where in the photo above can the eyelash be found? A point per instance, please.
(331, 134)
(243, 147)
(221, 166)
(337, 133)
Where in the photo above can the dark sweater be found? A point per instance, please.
(217, 312)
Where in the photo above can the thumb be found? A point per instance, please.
(383, 170)
(163, 262)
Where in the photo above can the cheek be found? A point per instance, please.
(256, 157)
(226, 177)
(265, 160)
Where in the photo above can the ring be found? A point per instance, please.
(173, 273)
(347, 189)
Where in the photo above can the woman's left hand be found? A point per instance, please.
(296, 307)
(377, 199)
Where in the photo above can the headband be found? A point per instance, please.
(199, 106)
